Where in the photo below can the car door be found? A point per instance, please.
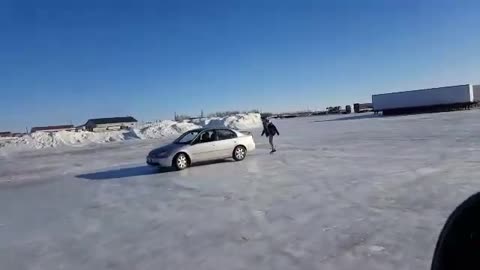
(226, 142)
(204, 147)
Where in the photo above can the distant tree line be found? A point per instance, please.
(266, 114)
(230, 113)
(181, 117)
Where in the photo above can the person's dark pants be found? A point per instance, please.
(270, 140)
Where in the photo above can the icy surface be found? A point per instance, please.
(364, 193)
(155, 130)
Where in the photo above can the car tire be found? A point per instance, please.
(239, 153)
(181, 161)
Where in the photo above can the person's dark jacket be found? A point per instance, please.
(270, 129)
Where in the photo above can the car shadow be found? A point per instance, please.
(139, 171)
(123, 172)
(355, 117)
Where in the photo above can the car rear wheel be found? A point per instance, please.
(239, 153)
(181, 161)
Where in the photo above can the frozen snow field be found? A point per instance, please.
(343, 192)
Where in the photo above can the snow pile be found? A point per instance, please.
(4, 142)
(42, 139)
(166, 128)
(159, 129)
(239, 121)
(39, 140)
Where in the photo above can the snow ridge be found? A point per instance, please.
(158, 129)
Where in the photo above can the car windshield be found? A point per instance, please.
(187, 137)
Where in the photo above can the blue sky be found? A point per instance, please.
(67, 61)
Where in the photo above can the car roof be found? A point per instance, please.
(208, 128)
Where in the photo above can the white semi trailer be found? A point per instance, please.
(425, 100)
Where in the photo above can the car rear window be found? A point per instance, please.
(224, 134)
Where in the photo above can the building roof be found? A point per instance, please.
(51, 128)
(112, 120)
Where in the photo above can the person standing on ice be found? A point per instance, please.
(270, 130)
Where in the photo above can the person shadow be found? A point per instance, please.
(354, 117)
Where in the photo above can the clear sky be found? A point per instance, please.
(67, 61)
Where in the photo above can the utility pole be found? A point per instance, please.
(201, 114)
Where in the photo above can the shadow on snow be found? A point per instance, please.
(355, 117)
(122, 173)
(139, 171)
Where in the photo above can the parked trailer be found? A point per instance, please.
(476, 93)
(362, 107)
(334, 110)
(425, 100)
(348, 109)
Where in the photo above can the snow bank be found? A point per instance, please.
(166, 128)
(240, 121)
(154, 130)
(40, 140)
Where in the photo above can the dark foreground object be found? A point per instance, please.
(458, 247)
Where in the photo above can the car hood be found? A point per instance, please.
(167, 148)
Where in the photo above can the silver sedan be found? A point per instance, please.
(202, 145)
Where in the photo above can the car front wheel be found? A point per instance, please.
(181, 161)
(239, 153)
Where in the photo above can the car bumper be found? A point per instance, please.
(250, 146)
(162, 162)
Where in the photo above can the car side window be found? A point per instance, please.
(225, 134)
(187, 138)
(207, 136)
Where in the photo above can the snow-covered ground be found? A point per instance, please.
(362, 193)
(155, 130)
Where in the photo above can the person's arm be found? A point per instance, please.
(263, 132)
(276, 130)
